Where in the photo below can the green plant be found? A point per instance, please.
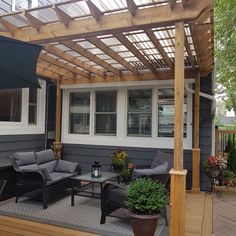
(119, 157)
(229, 178)
(146, 196)
(125, 172)
(232, 160)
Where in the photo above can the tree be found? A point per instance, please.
(225, 32)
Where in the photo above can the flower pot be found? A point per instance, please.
(143, 224)
(213, 172)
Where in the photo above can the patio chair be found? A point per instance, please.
(2, 185)
(113, 194)
(38, 172)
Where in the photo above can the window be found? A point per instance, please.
(79, 113)
(139, 112)
(10, 105)
(166, 113)
(33, 97)
(105, 115)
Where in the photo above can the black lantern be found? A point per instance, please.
(96, 170)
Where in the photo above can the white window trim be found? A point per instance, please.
(121, 138)
(23, 127)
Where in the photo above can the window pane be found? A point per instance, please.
(105, 120)
(106, 101)
(10, 105)
(166, 113)
(32, 118)
(79, 113)
(140, 112)
(105, 123)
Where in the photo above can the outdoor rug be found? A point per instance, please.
(84, 215)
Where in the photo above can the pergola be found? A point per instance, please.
(103, 41)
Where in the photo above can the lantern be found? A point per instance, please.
(96, 170)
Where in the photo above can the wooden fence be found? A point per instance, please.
(222, 139)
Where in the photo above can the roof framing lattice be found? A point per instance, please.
(109, 40)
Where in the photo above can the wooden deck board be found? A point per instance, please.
(198, 213)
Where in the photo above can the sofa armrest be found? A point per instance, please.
(66, 166)
(33, 176)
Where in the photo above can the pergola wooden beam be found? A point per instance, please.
(41, 71)
(188, 49)
(120, 22)
(172, 4)
(102, 46)
(63, 65)
(95, 12)
(62, 16)
(64, 55)
(133, 8)
(82, 51)
(135, 51)
(33, 21)
(159, 47)
(8, 26)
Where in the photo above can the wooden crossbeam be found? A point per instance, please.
(40, 71)
(62, 16)
(102, 46)
(63, 65)
(56, 69)
(8, 26)
(159, 47)
(95, 12)
(120, 22)
(60, 53)
(135, 51)
(79, 49)
(33, 21)
(172, 4)
(132, 7)
(188, 49)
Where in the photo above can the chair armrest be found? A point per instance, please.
(109, 183)
(35, 176)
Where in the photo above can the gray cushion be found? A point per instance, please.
(44, 156)
(24, 158)
(57, 176)
(29, 167)
(161, 169)
(50, 166)
(46, 174)
(162, 157)
(66, 166)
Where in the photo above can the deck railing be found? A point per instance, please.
(222, 139)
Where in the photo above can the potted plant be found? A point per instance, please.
(145, 198)
(125, 174)
(118, 159)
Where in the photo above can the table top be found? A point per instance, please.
(88, 178)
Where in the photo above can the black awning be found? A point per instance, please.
(18, 62)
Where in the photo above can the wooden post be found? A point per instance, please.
(196, 150)
(178, 175)
(217, 141)
(57, 144)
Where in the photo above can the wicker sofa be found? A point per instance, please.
(37, 172)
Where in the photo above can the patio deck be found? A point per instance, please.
(198, 213)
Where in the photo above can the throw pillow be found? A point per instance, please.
(66, 166)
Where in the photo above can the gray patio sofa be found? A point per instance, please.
(37, 172)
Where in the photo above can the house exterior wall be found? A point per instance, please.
(87, 154)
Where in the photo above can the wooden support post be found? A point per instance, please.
(178, 174)
(57, 144)
(196, 151)
(217, 141)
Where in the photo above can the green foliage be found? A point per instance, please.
(119, 157)
(146, 196)
(232, 160)
(225, 32)
(125, 172)
(229, 145)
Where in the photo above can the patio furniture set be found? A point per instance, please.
(39, 172)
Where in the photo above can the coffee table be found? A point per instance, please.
(83, 190)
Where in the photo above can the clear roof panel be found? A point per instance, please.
(17, 20)
(86, 44)
(108, 5)
(110, 41)
(46, 15)
(75, 10)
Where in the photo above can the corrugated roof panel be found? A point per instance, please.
(77, 9)
(145, 45)
(110, 41)
(17, 20)
(91, 63)
(138, 37)
(111, 61)
(96, 51)
(118, 66)
(150, 51)
(119, 48)
(126, 54)
(74, 54)
(62, 47)
(45, 15)
(104, 56)
(86, 44)
(84, 59)
(108, 5)
(99, 67)
(131, 59)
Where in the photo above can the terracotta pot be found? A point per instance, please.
(144, 225)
